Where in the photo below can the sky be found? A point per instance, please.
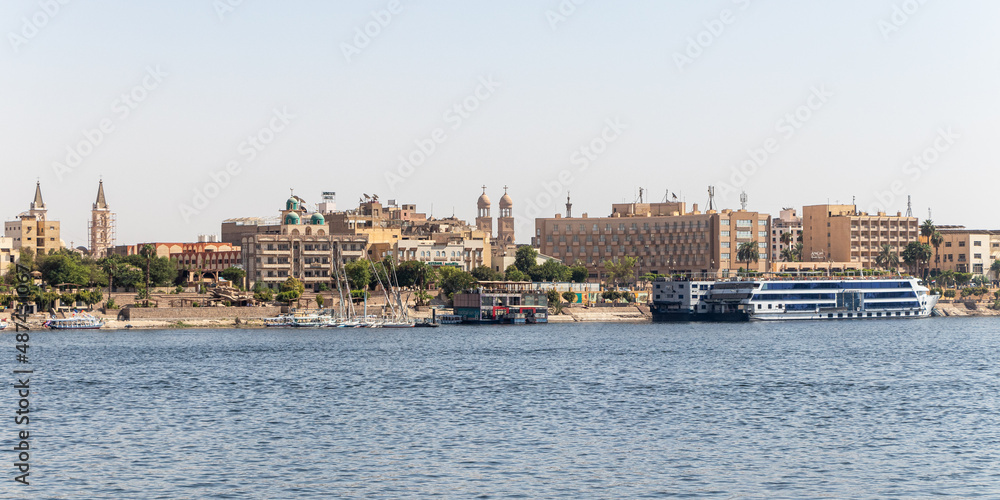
(194, 111)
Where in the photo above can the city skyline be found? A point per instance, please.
(795, 104)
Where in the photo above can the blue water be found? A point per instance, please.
(889, 409)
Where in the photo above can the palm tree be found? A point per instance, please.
(786, 241)
(788, 254)
(937, 239)
(748, 252)
(147, 251)
(887, 258)
(927, 229)
(996, 269)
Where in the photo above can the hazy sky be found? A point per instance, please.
(796, 102)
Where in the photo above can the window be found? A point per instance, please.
(744, 235)
(726, 244)
(978, 256)
(977, 243)
(725, 256)
(947, 244)
(725, 234)
(762, 234)
(724, 222)
(744, 223)
(961, 243)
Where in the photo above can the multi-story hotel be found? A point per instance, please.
(303, 249)
(966, 250)
(840, 233)
(33, 230)
(788, 222)
(664, 237)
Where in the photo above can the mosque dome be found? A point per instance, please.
(292, 218)
(317, 219)
(292, 204)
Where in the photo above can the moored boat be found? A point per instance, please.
(82, 321)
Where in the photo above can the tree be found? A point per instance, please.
(962, 279)
(569, 297)
(555, 300)
(937, 239)
(786, 239)
(148, 252)
(788, 254)
(411, 273)
(622, 271)
(262, 293)
(319, 300)
(291, 290)
(515, 274)
(358, 274)
(887, 258)
(234, 275)
(525, 259)
(927, 229)
(915, 254)
(483, 273)
(58, 269)
(454, 280)
(996, 269)
(579, 273)
(551, 270)
(748, 252)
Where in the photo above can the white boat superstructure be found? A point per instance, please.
(792, 299)
(842, 299)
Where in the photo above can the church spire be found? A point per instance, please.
(102, 203)
(38, 204)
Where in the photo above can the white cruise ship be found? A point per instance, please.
(791, 299)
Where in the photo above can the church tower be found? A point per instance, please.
(505, 224)
(484, 222)
(102, 226)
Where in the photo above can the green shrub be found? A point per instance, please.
(950, 294)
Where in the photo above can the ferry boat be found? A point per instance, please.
(792, 299)
(77, 322)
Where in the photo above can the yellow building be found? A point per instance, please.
(840, 233)
(965, 250)
(665, 238)
(33, 230)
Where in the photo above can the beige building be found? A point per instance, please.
(966, 250)
(665, 238)
(839, 233)
(7, 255)
(101, 228)
(33, 229)
(303, 249)
(788, 222)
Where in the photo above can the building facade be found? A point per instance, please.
(33, 229)
(965, 251)
(789, 222)
(665, 238)
(840, 233)
(7, 255)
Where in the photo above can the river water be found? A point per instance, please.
(870, 409)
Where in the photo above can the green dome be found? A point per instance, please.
(292, 219)
(318, 220)
(292, 204)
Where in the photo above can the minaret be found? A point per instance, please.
(505, 225)
(484, 221)
(102, 225)
(569, 207)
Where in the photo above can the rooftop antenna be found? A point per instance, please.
(640, 195)
(711, 197)
(909, 206)
(569, 207)
(930, 215)
(743, 200)
(666, 196)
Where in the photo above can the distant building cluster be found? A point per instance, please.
(311, 242)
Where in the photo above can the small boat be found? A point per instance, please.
(3, 323)
(278, 322)
(77, 322)
(449, 319)
(426, 323)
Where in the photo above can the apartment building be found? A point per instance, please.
(788, 222)
(840, 233)
(33, 229)
(665, 238)
(966, 250)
